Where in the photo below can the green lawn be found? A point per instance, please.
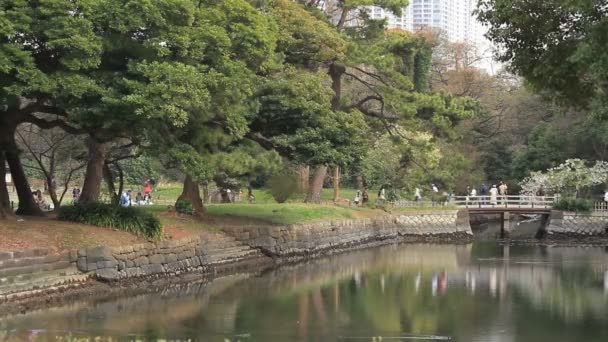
(169, 193)
(287, 213)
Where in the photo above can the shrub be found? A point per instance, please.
(284, 186)
(184, 207)
(130, 219)
(573, 204)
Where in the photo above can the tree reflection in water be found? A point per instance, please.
(481, 292)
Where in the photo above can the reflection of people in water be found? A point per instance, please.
(434, 285)
(443, 282)
(417, 282)
(606, 282)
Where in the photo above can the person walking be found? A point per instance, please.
(147, 187)
(502, 190)
(357, 198)
(125, 199)
(418, 195)
(494, 195)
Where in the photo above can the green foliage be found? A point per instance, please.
(573, 204)
(184, 207)
(130, 219)
(546, 148)
(138, 170)
(304, 39)
(295, 116)
(284, 186)
(558, 46)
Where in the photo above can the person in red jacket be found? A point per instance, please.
(147, 188)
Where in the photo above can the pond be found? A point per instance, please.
(478, 292)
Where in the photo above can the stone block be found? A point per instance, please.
(106, 264)
(6, 255)
(169, 258)
(100, 253)
(91, 267)
(82, 264)
(108, 274)
(157, 259)
(141, 261)
(129, 264)
(151, 269)
(121, 265)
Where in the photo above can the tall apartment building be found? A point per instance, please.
(454, 17)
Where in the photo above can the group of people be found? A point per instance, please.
(434, 189)
(484, 192)
(362, 197)
(127, 200)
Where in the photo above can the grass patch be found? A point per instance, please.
(285, 213)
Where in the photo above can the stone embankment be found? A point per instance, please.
(27, 273)
(314, 238)
(166, 257)
(561, 223)
(32, 271)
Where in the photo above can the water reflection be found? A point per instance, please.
(481, 292)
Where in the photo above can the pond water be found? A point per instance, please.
(479, 292)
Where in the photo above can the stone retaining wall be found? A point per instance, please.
(24, 273)
(31, 270)
(166, 257)
(571, 224)
(311, 238)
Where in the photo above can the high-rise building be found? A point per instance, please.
(454, 17)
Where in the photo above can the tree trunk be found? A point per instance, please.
(316, 184)
(91, 188)
(6, 211)
(191, 193)
(52, 190)
(359, 182)
(336, 183)
(109, 178)
(206, 196)
(336, 71)
(27, 204)
(303, 178)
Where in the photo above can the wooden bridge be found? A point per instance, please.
(523, 204)
(499, 205)
(487, 204)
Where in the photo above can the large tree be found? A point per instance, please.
(559, 46)
(134, 70)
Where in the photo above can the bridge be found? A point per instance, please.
(500, 205)
(487, 204)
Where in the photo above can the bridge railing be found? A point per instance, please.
(508, 201)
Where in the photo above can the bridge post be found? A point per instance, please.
(502, 225)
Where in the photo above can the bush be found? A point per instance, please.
(130, 219)
(184, 207)
(573, 204)
(284, 186)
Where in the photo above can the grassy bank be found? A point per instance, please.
(289, 213)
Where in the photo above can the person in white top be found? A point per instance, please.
(606, 196)
(435, 189)
(494, 195)
(417, 195)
